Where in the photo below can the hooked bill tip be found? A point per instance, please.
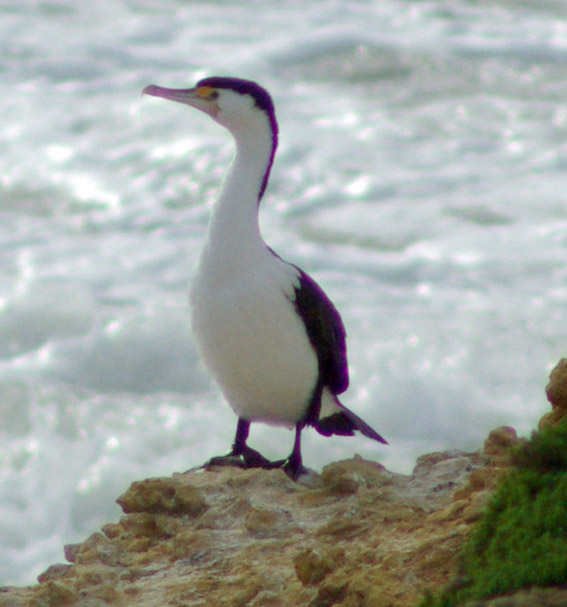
(150, 89)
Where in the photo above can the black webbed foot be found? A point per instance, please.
(293, 470)
(250, 458)
(245, 458)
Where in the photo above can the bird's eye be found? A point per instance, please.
(207, 92)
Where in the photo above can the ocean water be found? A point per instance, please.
(421, 179)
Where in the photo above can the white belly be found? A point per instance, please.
(254, 343)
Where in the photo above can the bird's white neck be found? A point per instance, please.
(234, 232)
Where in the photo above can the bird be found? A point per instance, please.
(266, 331)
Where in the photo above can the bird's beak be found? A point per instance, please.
(198, 97)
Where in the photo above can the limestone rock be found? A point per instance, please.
(357, 534)
(500, 440)
(156, 495)
(556, 391)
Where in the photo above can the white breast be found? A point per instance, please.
(251, 338)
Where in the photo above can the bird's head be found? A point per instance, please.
(235, 103)
(242, 106)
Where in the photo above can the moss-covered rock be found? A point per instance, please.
(521, 541)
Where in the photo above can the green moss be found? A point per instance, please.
(545, 452)
(521, 541)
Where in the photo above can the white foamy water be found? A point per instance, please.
(420, 179)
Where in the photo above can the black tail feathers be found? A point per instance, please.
(344, 423)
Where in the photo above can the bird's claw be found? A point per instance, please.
(250, 458)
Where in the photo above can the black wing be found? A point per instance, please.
(325, 330)
(328, 337)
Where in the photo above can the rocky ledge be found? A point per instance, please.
(355, 535)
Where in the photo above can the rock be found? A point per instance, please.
(314, 564)
(53, 594)
(160, 496)
(357, 534)
(268, 522)
(556, 391)
(53, 572)
(500, 440)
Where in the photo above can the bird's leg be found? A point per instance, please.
(242, 432)
(293, 466)
(242, 455)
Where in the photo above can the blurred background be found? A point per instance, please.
(420, 179)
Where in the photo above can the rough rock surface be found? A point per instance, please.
(556, 391)
(356, 535)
